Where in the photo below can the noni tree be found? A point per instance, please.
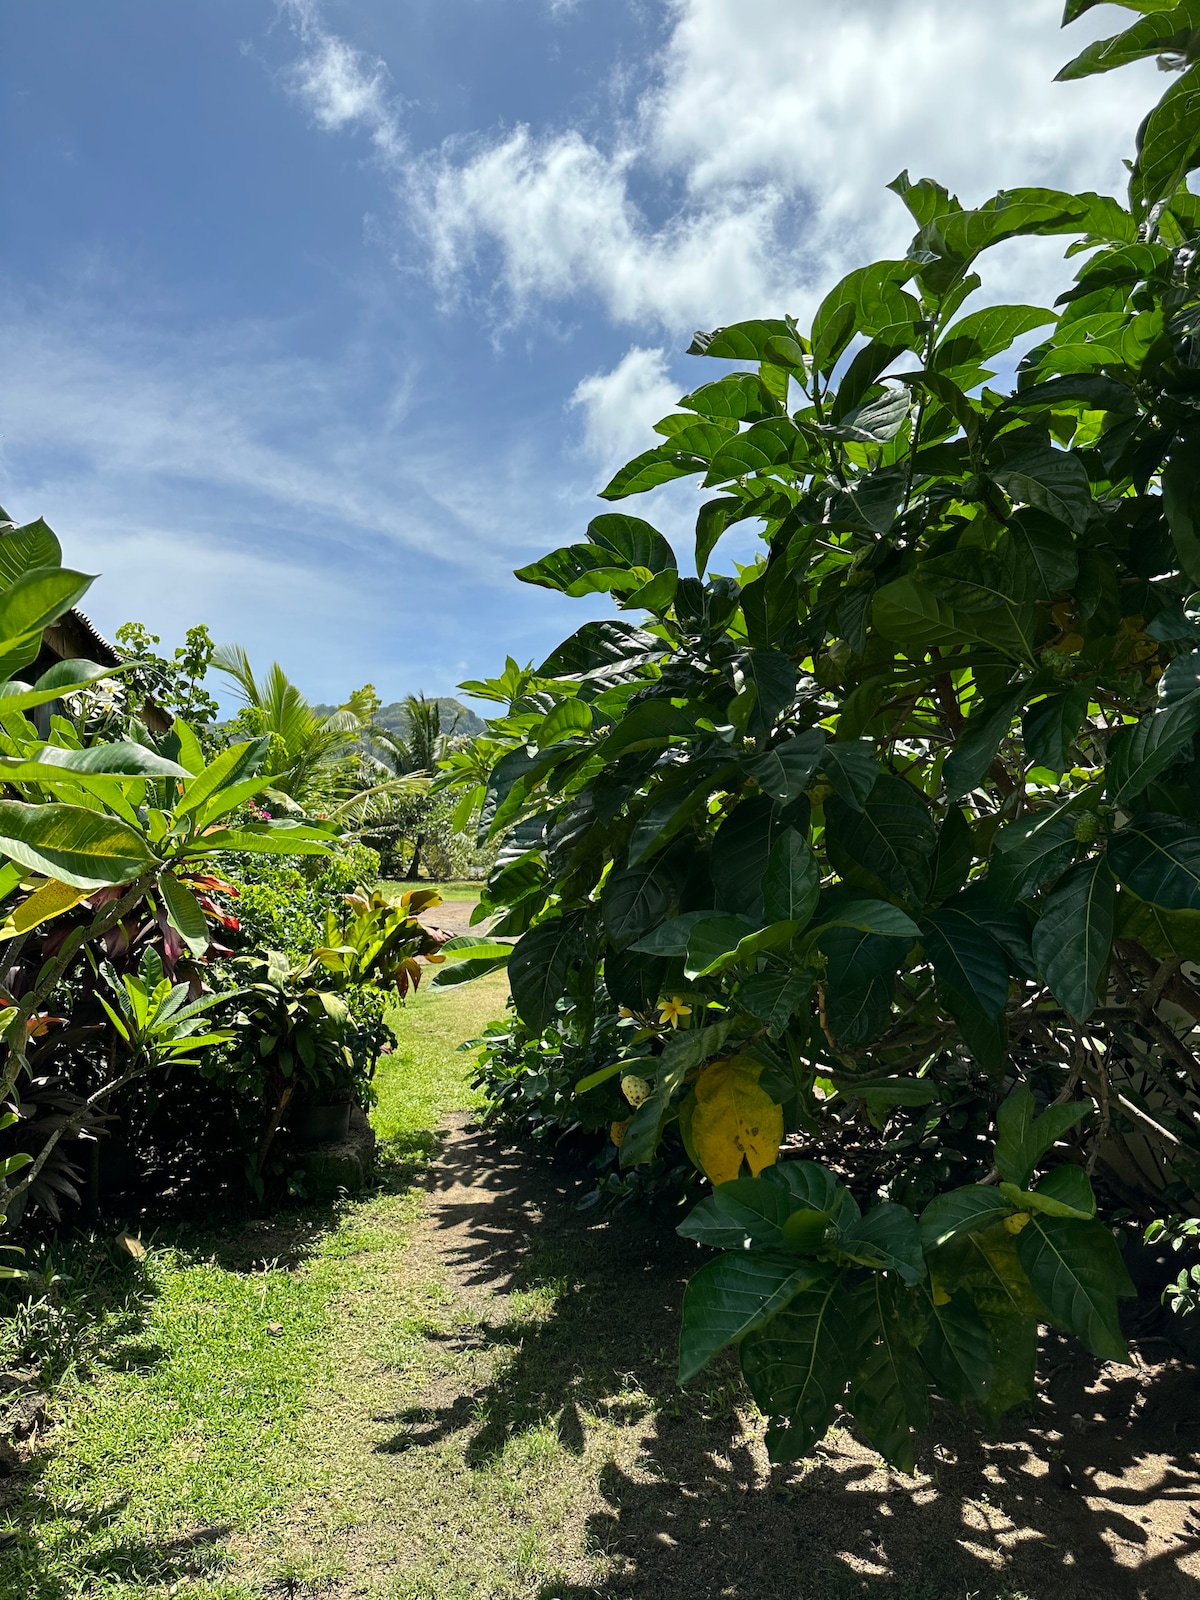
(888, 846)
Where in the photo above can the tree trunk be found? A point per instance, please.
(414, 866)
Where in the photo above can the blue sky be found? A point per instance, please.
(316, 319)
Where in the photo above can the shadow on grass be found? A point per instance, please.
(26, 1570)
(1091, 1493)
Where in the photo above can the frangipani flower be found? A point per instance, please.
(671, 1010)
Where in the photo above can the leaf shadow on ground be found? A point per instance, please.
(1091, 1493)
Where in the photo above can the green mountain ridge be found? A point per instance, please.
(456, 717)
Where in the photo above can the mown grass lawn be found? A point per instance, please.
(195, 1379)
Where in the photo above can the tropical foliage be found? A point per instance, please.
(886, 850)
(121, 850)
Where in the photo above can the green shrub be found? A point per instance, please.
(282, 903)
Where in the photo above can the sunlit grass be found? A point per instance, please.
(427, 1075)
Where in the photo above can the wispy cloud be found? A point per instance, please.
(340, 85)
(284, 500)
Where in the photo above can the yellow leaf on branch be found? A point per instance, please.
(734, 1119)
(51, 899)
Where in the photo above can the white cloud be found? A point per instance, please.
(620, 407)
(781, 122)
(340, 85)
(558, 217)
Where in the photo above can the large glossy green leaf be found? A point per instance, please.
(968, 963)
(978, 742)
(62, 679)
(619, 552)
(957, 1349)
(1053, 481)
(1073, 937)
(1040, 558)
(961, 235)
(1023, 1137)
(22, 549)
(953, 856)
(1076, 1270)
(887, 1239)
(889, 844)
(740, 341)
(775, 997)
(569, 719)
(731, 1296)
(1181, 503)
(538, 968)
(878, 420)
(907, 612)
(888, 1395)
(798, 1366)
(37, 598)
(467, 971)
(601, 647)
(745, 1208)
(636, 900)
(1031, 853)
(712, 938)
(280, 838)
(873, 360)
(785, 771)
(866, 301)
(1138, 755)
(740, 852)
(861, 973)
(762, 447)
(980, 335)
(73, 844)
(792, 880)
(852, 769)
(1158, 857)
(670, 938)
(1168, 28)
(1168, 143)
(842, 908)
(961, 1211)
(650, 469)
(739, 397)
(1051, 726)
(653, 722)
(121, 757)
(184, 914)
(1169, 935)
(1067, 1186)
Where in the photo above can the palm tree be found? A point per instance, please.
(414, 754)
(424, 744)
(306, 748)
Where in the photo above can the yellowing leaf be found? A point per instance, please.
(617, 1131)
(51, 900)
(734, 1118)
